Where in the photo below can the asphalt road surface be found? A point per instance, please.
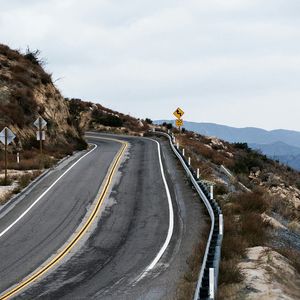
(111, 259)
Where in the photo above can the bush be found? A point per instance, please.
(252, 228)
(250, 203)
(6, 182)
(230, 272)
(233, 246)
(220, 189)
(168, 125)
(242, 146)
(106, 120)
(24, 180)
(33, 56)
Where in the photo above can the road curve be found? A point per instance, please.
(127, 238)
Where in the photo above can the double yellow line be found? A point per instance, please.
(39, 273)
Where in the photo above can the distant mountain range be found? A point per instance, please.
(283, 145)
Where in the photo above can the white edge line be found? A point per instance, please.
(44, 193)
(171, 220)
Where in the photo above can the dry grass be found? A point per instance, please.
(244, 226)
(292, 254)
(284, 208)
(21, 181)
(250, 202)
(230, 272)
(186, 287)
(5, 198)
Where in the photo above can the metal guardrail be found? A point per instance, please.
(209, 273)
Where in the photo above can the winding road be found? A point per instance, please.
(116, 222)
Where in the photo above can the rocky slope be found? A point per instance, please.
(91, 116)
(27, 91)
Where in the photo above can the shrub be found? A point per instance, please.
(252, 228)
(6, 182)
(33, 56)
(109, 120)
(233, 246)
(220, 189)
(46, 78)
(250, 202)
(231, 273)
(24, 180)
(168, 125)
(241, 146)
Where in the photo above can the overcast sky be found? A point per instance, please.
(233, 62)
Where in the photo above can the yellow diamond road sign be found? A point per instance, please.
(179, 123)
(178, 113)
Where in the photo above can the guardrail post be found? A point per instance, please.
(189, 161)
(211, 192)
(211, 283)
(198, 173)
(183, 152)
(221, 224)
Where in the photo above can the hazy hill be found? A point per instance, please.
(276, 149)
(280, 144)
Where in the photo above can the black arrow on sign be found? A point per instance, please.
(179, 113)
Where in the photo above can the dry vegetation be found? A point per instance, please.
(186, 287)
(27, 91)
(92, 116)
(274, 192)
(17, 181)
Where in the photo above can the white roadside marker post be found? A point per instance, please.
(177, 145)
(189, 161)
(211, 192)
(221, 224)
(198, 173)
(211, 283)
(18, 157)
(183, 152)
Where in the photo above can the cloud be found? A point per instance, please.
(230, 59)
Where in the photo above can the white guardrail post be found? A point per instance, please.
(211, 283)
(221, 224)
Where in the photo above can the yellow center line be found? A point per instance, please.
(20, 286)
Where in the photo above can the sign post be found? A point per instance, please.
(40, 123)
(6, 137)
(178, 113)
